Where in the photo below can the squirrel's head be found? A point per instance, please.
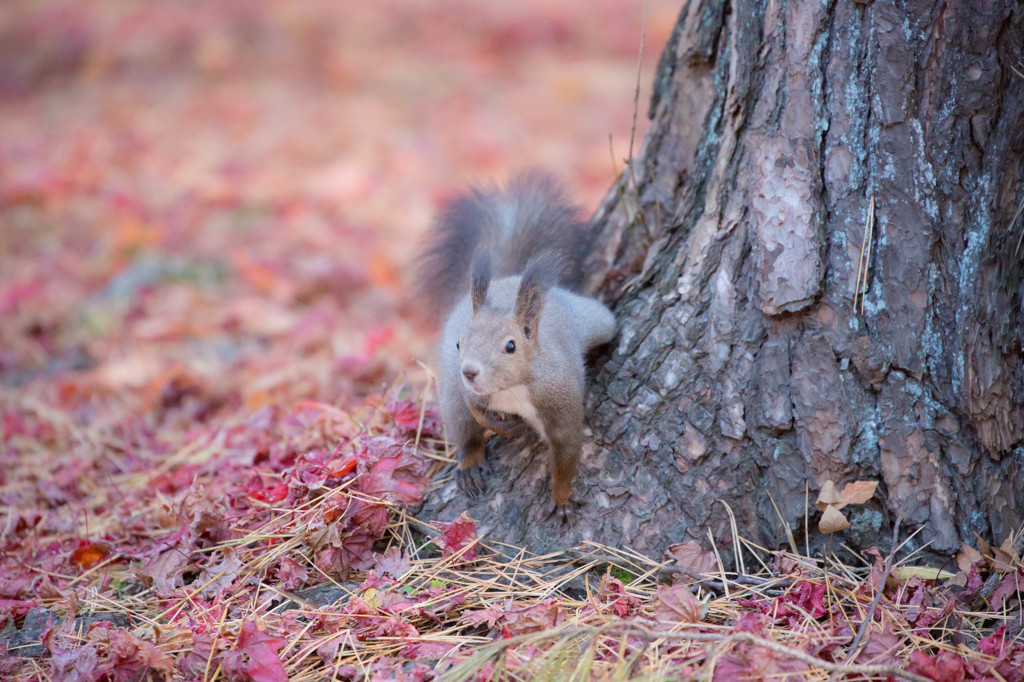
(497, 348)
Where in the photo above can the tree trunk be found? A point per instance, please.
(757, 356)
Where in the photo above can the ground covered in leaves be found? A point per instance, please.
(215, 422)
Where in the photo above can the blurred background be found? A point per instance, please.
(215, 203)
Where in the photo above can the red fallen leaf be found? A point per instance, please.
(943, 667)
(74, 665)
(328, 650)
(757, 663)
(675, 604)
(89, 555)
(881, 647)
(291, 574)
(255, 657)
(613, 592)
(752, 622)
(805, 595)
(339, 468)
(490, 616)
(9, 665)
(520, 620)
(406, 415)
(255, 490)
(930, 617)
(392, 563)
(195, 662)
(429, 650)
(124, 656)
(393, 626)
(456, 536)
(14, 611)
(1007, 587)
(380, 480)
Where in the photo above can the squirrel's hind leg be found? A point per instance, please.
(563, 427)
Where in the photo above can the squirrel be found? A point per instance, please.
(501, 265)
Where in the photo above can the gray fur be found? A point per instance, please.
(481, 279)
(515, 223)
(516, 343)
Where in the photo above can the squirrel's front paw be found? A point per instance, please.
(510, 427)
(471, 480)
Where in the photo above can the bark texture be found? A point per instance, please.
(750, 363)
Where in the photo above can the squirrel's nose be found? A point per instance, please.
(470, 372)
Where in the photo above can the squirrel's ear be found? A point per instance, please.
(529, 305)
(481, 280)
(540, 274)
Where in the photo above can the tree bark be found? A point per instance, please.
(757, 356)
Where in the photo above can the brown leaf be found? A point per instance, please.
(857, 492)
(165, 570)
(983, 546)
(967, 557)
(220, 576)
(881, 648)
(828, 495)
(675, 604)
(1005, 559)
(691, 557)
(832, 520)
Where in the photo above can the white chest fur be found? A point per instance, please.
(516, 400)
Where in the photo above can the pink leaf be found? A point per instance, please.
(380, 480)
(291, 574)
(547, 614)
(943, 667)
(458, 536)
(490, 616)
(392, 563)
(255, 658)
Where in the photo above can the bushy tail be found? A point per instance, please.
(515, 223)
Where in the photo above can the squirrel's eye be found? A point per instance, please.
(456, 345)
(510, 347)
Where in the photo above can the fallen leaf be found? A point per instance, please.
(905, 573)
(1011, 584)
(674, 604)
(393, 562)
(690, 556)
(832, 520)
(1005, 559)
(828, 495)
(220, 576)
(458, 537)
(520, 620)
(88, 556)
(983, 547)
(857, 492)
(255, 656)
(967, 557)
(944, 666)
